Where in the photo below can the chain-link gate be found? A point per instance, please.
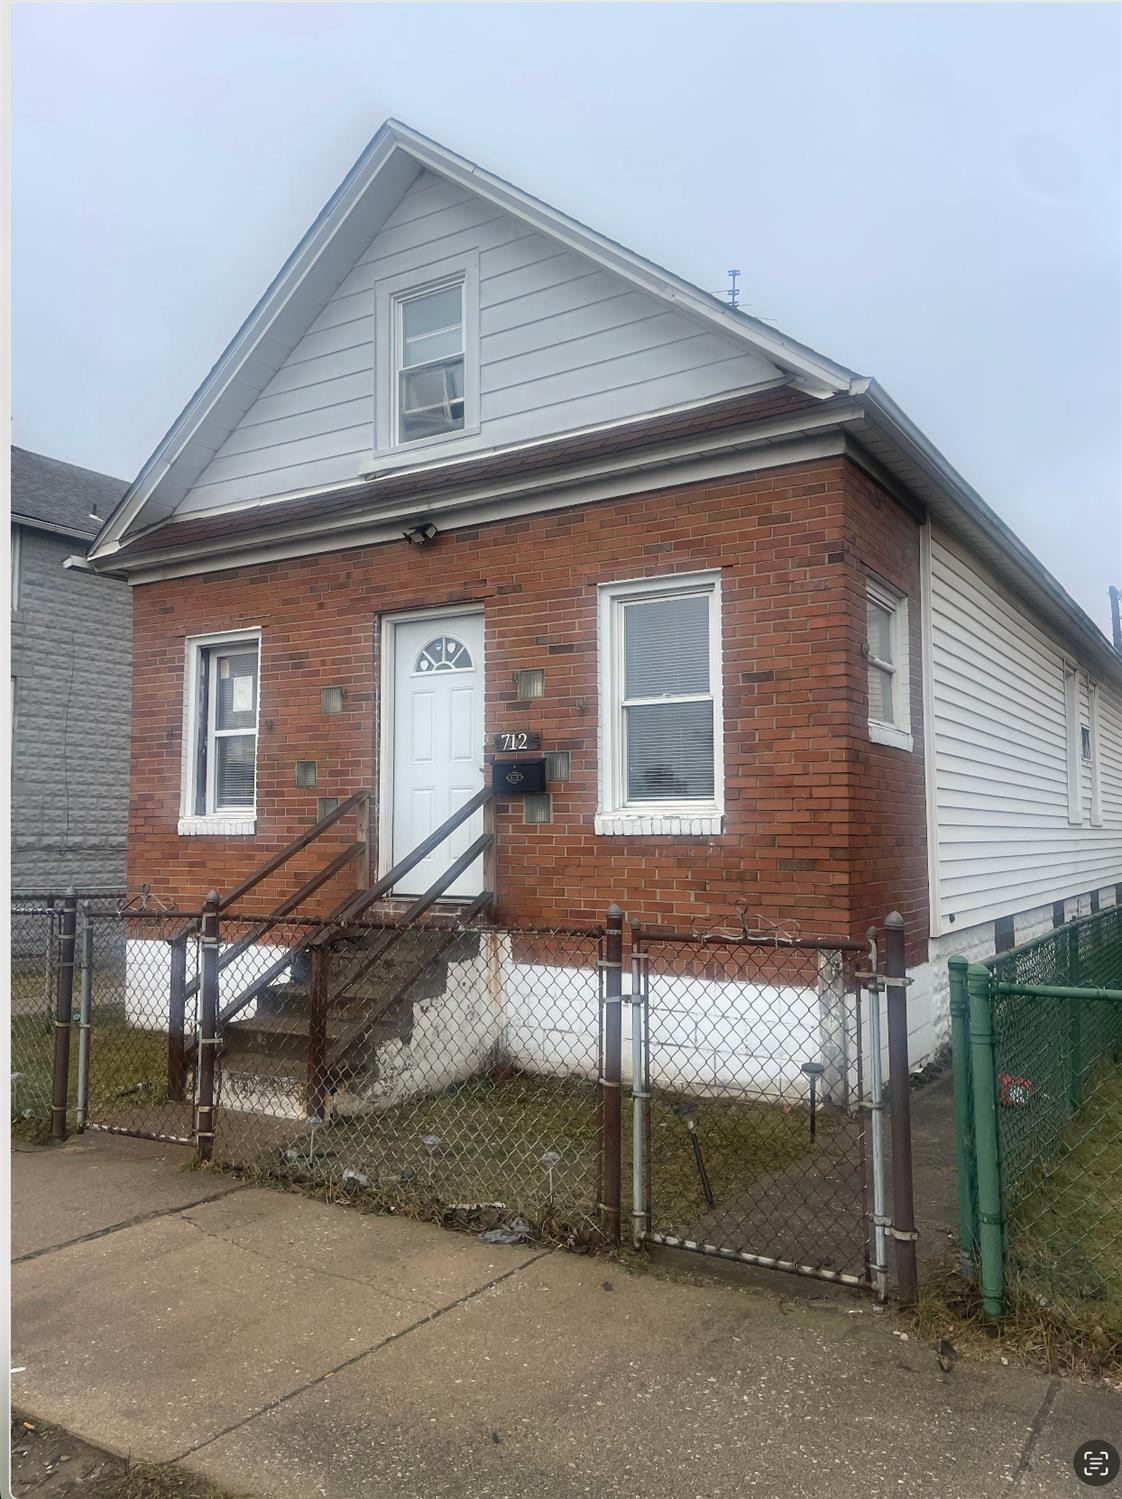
(750, 1108)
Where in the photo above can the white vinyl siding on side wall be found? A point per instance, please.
(1004, 839)
(562, 344)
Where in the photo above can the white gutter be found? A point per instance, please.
(972, 511)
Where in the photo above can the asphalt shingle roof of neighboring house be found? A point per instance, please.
(60, 496)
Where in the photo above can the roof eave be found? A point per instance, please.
(958, 505)
(811, 372)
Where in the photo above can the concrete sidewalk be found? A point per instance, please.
(285, 1347)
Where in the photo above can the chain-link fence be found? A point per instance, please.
(445, 1071)
(755, 1130)
(1038, 1047)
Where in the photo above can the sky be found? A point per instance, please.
(926, 193)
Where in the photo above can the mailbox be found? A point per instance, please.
(518, 777)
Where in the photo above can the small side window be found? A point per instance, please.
(223, 728)
(886, 651)
(16, 533)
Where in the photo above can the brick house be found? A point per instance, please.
(71, 654)
(471, 471)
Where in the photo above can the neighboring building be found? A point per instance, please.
(71, 663)
(779, 649)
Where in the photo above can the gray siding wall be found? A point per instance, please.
(72, 661)
(563, 345)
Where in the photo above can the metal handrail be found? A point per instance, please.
(286, 907)
(354, 906)
(271, 865)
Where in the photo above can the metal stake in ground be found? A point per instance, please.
(812, 1071)
(687, 1113)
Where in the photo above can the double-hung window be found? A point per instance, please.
(886, 652)
(661, 761)
(429, 347)
(221, 741)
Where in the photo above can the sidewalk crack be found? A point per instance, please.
(356, 1358)
(1035, 1428)
(115, 1228)
(276, 1259)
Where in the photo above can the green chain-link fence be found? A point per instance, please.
(1038, 1080)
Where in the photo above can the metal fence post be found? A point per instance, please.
(611, 1074)
(640, 1094)
(963, 1117)
(208, 1028)
(64, 1015)
(991, 1225)
(317, 1035)
(84, 1007)
(876, 1121)
(1075, 1023)
(177, 1012)
(903, 1202)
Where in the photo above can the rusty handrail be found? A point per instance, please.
(272, 864)
(285, 908)
(355, 905)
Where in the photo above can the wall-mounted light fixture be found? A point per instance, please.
(420, 534)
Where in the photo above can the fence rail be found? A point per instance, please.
(478, 1074)
(1037, 1037)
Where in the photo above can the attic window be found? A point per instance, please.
(429, 348)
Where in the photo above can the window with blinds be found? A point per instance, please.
(663, 660)
(225, 729)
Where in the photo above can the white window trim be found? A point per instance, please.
(389, 293)
(1096, 769)
(677, 819)
(242, 823)
(17, 534)
(1073, 723)
(898, 733)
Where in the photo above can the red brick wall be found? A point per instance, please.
(888, 842)
(801, 776)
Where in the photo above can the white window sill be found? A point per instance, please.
(887, 733)
(218, 825)
(656, 824)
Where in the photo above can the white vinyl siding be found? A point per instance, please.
(1002, 755)
(562, 344)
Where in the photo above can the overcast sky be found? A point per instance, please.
(929, 194)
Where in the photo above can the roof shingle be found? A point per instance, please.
(48, 492)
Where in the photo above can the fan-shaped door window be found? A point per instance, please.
(444, 653)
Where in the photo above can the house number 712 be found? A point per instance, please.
(523, 739)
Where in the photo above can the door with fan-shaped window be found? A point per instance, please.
(437, 744)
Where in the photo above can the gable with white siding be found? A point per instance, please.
(998, 746)
(562, 344)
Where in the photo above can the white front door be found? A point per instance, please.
(437, 744)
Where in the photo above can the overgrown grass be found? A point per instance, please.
(1063, 1288)
(125, 1062)
(1065, 1236)
(1058, 1338)
(490, 1141)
